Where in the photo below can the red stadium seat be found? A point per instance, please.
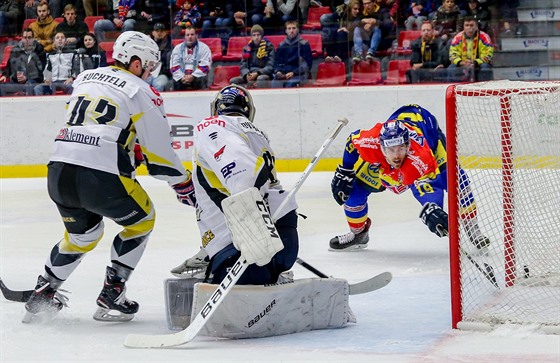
(366, 73)
(404, 40)
(316, 42)
(330, 75)
(108, 48)
(222, 75)
(26, 23)
(235, 48)
(6, 56)
(90, 20)
(313, 16)
(396, 73)
(275, 39)
(215, 45)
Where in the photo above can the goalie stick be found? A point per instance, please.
(374, 283)
(188, 334)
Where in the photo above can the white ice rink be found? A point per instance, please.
(407, 321)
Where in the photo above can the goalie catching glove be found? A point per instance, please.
(252, 228)
(435, 218)
(185, 191)
(342, 184)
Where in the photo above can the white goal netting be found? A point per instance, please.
(506, 137)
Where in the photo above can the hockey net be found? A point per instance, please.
(505, 135)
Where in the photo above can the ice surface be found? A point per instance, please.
(407, 321)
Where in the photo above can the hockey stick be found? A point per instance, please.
(487, 271)
(374, 283)
(15, 295)
(188, 334)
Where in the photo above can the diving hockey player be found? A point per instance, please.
(91, 174)
(405, 152)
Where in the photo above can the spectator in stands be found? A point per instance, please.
(119, 17)
(91, 7)
(246, 13)
(190, 63)
(277, 13)
(330, 22)
(30, 9)
(149, 13)
(163, 40)
(470, 54)
(187, 15)
(44, 27)
(292, 59)
(216, 21)
(428, 57)
(25, 66)
(480, 14)
(257, 62)
(337, 41)
(9, 15)
(73, 30)
(503, 17)
(418, 11)
(90, 56)
(376, 26)
(447, 20)
(58, 72)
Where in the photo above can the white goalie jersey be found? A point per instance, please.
(231, 155)
(109, 109)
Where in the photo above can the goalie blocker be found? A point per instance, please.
(256, 311)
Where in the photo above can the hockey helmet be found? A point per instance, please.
(233, 99)
(135, 44)
(393, 133)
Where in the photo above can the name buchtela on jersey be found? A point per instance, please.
(100, 77)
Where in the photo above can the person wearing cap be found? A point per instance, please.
(187, 15)
(257, 61)
(163, 40)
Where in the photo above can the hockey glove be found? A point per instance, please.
(342, 184)
(185, 191)
(435, 218)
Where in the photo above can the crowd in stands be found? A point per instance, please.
(52, 41)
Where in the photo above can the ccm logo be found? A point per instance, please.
(267, 219)
(219, 293)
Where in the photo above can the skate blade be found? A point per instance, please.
(350, 249)
(108, 315)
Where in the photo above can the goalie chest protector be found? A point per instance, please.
(255, 311)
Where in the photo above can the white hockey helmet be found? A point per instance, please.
(135, 44)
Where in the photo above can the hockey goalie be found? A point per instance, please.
(237, 193)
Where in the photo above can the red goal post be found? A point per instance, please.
(505, 135)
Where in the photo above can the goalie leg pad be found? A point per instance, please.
(252, 228)
(179, 301)
(255, 311)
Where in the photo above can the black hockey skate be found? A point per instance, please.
(112, 301)
(44, 303)
(351, 241)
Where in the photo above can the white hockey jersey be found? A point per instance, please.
(108, 110)
(230, 155)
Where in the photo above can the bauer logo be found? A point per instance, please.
(543, 14)
(536, 43)
(529, 73)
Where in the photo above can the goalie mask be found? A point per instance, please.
(233, 99)
(394, 138)
(135, 44)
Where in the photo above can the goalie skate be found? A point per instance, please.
(351, 241)
(44, 303)
(112, 301)
(193, 267)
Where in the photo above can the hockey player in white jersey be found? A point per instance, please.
(233, 155)
(91, 174)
